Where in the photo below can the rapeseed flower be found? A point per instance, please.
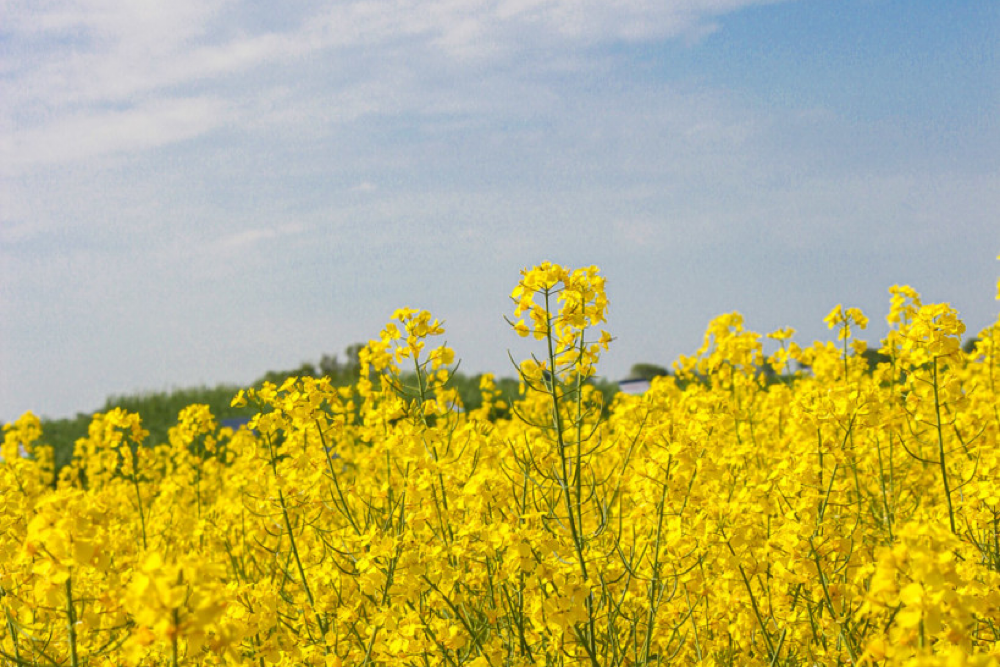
(831, 515)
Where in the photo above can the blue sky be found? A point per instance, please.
(198, 191)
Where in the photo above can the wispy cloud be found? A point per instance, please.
(93, 77)
(478, 28)
(250, 237)
(95, 133)
(120, 66)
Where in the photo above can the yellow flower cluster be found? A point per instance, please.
(737, 513)
(561, 304)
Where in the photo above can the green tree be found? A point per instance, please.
(644, 371)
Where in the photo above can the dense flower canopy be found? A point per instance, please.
(737, 513)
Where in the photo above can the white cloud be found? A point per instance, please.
(483, 28)
(638, 234)
(97, 77)
(111, 17)
(110, 50)
(125, 70)
(250, 237)
(96, 133)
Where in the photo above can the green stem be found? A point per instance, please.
(138, 496)
(566, 484)
(298, 563)
(941, 453)
(887, 519)
(654, 584)
(291, 539)
(71, 623)
(561, 445)
(829, 603)
(344, 508)
(12, 629)
(753, 603)
(173, 639)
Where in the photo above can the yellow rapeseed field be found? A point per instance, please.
(728, 516)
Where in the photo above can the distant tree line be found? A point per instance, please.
(648, 371)
(159, 409)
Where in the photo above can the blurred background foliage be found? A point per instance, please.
(159, 409)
